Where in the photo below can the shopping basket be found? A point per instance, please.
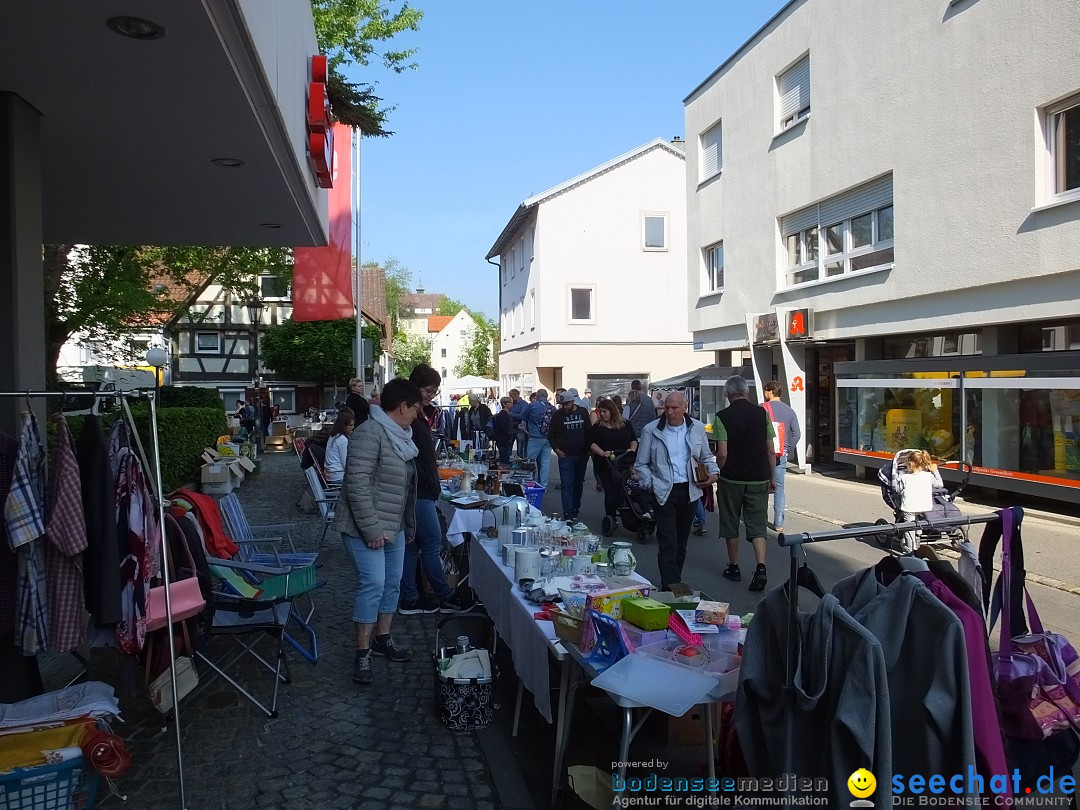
(69, 785)
(534, 494)
(466, 704)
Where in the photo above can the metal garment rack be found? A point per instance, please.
(123, 397)
(794, 543)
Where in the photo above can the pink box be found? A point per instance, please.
(639, 637)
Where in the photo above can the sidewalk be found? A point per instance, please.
(334, 744)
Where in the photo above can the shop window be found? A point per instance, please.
(949, 344)
(1055, 337)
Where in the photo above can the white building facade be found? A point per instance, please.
(591, 284)
(448, 345)
(897, 190)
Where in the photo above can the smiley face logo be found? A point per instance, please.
(861, 783)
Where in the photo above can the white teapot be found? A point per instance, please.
(620, 555)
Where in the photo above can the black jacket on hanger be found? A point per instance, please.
(101, 560)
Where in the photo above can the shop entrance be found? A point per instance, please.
(821, 399)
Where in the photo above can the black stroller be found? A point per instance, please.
(944, 502)
(636, 506)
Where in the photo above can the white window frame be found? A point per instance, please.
(786, 119)
(443, 353)
(845, 257)
(532, 310)
(287, 395)
(654, 215)
(521, 254)
(709, 285)
(570, 303)
(1051, 116)
(505, 328)
(200, 350)
(711, 151)
(513, 260)
(266, 297)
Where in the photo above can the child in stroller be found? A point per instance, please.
(636, 506)
(912, 487)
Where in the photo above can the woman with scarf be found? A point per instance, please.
(376, 515)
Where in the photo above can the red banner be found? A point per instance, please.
(322, 276)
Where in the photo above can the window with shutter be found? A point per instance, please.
(712, 151)
(793, 93)
(714, 267)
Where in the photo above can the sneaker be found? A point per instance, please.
(646, 515)
(389, 649)
(698, 528)
(361, 670)
(414, 607)
(451, 605)
(759, 580)
(733, 573)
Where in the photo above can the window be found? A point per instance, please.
(284, 398)
(1063, 146)
(655, 231)
(793, 94)
(581, 305)
(505, 272)
(714, 267)
(844, 234)
(505, 329)
(513, 260)
(444, 374)
(443, 354)
(532, 309)
(712, 151)
(272, 287)
(208, 343)
(229, 396)
(521, 255)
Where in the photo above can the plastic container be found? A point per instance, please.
(535, 495)
(652, 682)
(648, 614)
(71, 784)
(721, 661)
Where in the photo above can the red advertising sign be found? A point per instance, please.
(320, 127)
(800, 324)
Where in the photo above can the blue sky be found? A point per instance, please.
(511, 98)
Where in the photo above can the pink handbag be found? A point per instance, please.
(1038, 675)
(184, 594)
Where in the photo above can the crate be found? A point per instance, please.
(567, 627)
(535, 496)
(70, 785)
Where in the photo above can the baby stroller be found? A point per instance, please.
(944, 501)
(636, 507)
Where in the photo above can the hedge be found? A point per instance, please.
(184, 433)
(173, 396)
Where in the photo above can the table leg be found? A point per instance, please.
(710, 742)
(624, 746)
(517, 707)
(561, 735)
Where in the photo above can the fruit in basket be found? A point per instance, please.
(689, 652)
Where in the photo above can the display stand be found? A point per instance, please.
(124, 396)
(794, 543)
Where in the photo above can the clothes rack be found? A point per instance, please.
(794, 543)
(151, 397)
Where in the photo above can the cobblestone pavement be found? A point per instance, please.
(335, 744)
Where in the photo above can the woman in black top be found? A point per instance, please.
(504, 430)
(610, 434)
(356, 402)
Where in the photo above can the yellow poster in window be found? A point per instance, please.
(903, 429)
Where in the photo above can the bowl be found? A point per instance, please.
(526, 584)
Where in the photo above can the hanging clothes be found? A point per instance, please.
(101, 561)
(218, 543)
(9, 451)
(138, 528)
(841, 713)
(24, 514)
(926, 659)
(65, 544)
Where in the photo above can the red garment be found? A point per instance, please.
(217, 542)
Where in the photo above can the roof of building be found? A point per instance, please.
(532, 202)
(422, 300)
(436, 323)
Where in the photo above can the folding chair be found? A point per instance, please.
(247, 603)
(325, 499)
(249, 537)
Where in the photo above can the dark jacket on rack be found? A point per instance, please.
(841, 716)
(427, 471)
(926, 658)
(101, 561)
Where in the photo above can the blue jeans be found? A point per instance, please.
(572, 476)
(523, 444)
(540, 452)
(425, 550)
(778, 497)
(379, 574)
(699, 511)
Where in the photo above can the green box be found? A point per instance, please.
(648, 614)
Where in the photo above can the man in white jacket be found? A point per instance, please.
(675, 462)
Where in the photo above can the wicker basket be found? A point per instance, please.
(567, 628)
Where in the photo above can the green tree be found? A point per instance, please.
(319, 351)
(479, 356)
(449, 306)
(105, 291)
(354, 32)
(409, 352)
(398, 285)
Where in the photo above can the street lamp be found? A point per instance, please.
(158, 358)
(255, 313)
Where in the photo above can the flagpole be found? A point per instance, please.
(359, 286)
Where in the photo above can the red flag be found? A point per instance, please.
(322, 276)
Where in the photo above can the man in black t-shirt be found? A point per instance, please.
(568, 434)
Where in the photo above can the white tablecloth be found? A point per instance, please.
(530, 640)
(460, 521)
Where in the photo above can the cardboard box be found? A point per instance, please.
(215, 473)
(210, 455)
(708, 612)
(609, 601)
(686, 730)
(246, 464)
(278, 427)
(236, 470)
